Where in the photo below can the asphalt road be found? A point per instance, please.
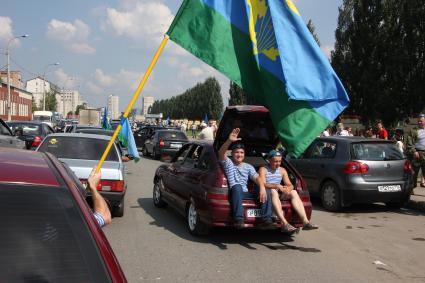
(366, 243)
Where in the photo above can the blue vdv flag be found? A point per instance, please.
(126, 139)
(206, 119)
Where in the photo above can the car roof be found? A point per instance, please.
(168, 130)
(26, 167)
(26, 122)
(80, 135)
(348, 139)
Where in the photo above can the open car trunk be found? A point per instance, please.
(257, 131)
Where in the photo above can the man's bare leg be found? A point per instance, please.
(277, 206)
(298, 206)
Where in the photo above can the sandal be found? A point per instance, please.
(288, 229)
(423, 185)
(310, 226)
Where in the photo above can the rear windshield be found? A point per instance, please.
(77, 148)
(28, 129)
(45, 238)
(95, 132)
(42, 118)
(376, 151)
(172, 135)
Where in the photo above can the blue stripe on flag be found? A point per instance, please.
(308, 74)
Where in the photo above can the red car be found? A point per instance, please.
(194, 182)
(49, 233)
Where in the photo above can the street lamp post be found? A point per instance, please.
(44, 83)
(9, 114)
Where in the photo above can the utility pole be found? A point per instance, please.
(9, 100)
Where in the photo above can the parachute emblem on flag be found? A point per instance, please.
(261, 29)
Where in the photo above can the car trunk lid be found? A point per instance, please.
(257, 131)
(385, 163)
(82, 168)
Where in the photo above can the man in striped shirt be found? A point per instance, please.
(238, 173)
(100, 208)
(272, 177)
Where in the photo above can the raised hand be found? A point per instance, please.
(233, 136)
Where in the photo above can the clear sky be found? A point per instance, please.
(104, 47)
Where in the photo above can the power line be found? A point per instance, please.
(23, 68)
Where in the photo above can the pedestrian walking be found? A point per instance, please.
(326, 132)
(415, 148)
(340, 131)
(194, 128)
(382, 132)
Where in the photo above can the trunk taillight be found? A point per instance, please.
(37, 141)
(110, 185)
(354, 167)
(161, 143)
(408, 167)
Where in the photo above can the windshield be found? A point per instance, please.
(42, 118)
(77, 148)
(376, 151)
(28, 129)
(45, 237)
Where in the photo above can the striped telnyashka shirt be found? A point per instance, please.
(238, 174)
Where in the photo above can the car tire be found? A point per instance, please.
(157, 195)
(145, 151)
(194, 224)
(118, 210)
(156, 155)
(331, 196)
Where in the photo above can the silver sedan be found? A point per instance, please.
(81, 152)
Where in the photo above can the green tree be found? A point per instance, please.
(34, 106)
(194, 103)
(51, 103)
(312, 29)
(79, 107)
(239, 97)
(379, 56)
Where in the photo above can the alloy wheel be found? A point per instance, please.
(192, 217)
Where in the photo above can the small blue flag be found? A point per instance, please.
(126, 139)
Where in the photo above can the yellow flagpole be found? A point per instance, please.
(133, 100)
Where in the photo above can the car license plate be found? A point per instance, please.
(253, 213)
(175, 145)
(389, 188)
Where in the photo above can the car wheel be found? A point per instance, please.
(331, 196)
(157, 195)
(156, 155)
(145, 151)
(118, 210)
(195, 226)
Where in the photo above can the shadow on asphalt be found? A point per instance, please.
(171, 220)
(413, 208)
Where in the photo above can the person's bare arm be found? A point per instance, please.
(99, 204)
(261, 182)
(287, 187)
(233, 136)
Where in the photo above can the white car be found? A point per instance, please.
(81, 152)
